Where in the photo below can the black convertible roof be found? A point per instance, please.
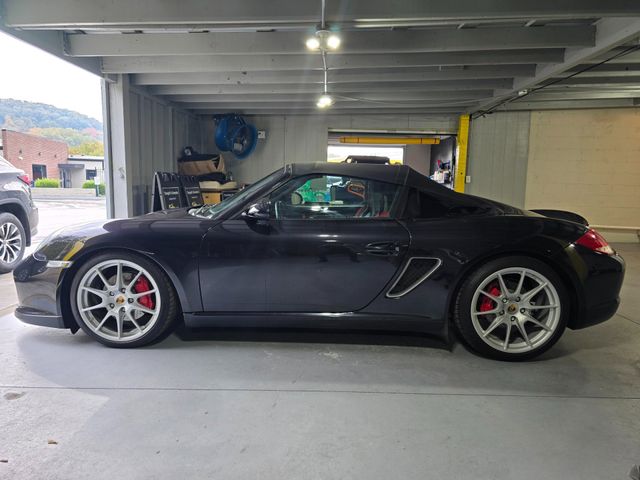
(398, 174)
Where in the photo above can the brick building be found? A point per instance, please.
(39, 157)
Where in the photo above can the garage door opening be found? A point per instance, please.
(431, 155)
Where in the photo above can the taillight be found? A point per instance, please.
(25, 179)
(596, 242)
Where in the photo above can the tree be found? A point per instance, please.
(93, 148)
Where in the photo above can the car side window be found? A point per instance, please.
(330, 197)
(422, 205)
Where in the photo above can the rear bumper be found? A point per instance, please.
(600, 279)
(598, 314)
(39, 317)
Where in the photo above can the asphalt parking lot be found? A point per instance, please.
(258, 407)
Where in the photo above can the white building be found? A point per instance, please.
(81, 168)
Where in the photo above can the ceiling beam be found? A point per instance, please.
(315, 111)
(570, 104)
(424, 74)
(225, 63)
(581, 95)
(315, 87)
(611, 32)
(338, 106)
(311, 96)
(607, 69)
(579, 80)
(76, 14)
(362, 41)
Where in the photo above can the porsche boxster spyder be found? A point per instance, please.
(330, 245)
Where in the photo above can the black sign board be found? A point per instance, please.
(191, 194)
(166, 191)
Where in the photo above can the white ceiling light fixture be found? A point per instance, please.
(324, 41)
(324, 101)
(313, 43)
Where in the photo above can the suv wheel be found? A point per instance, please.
(12, 242)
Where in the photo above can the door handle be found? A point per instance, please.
(383, 249)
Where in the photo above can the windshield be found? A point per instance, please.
(214, 211)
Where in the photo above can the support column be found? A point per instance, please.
(461, 157)
(116, 105)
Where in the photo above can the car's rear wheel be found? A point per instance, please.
(512, 308)
(123, 300)
(12, 242)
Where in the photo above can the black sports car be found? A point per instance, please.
(353, 246)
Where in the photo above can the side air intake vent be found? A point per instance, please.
(415, 271)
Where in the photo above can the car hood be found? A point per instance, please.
(136, 231)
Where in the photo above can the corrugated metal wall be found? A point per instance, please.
(498, 154)
(301, 139)
(147, 135)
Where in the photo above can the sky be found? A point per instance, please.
(28, 73)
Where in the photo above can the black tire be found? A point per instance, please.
(462, 311)
(9, 219)
(169, 307)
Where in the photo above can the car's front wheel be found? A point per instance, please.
(123, 300)
(12, 242)
(512, 308)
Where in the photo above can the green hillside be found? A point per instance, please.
(83, 134)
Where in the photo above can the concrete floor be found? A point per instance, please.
(206, 408)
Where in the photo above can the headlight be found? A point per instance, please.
(57, 249)
(45, 241)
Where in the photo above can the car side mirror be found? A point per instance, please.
(260, 211)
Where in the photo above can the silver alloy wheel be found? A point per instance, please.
(10, 242)
(109, 302)
(515, 310)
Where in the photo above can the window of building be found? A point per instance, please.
(90, 174)
(39, 171)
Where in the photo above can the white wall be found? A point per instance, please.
(418, 157)
(304, 138)
(588, 162)
(497, 157)
(147, 134)
(585, 161)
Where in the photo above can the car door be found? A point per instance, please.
(332, 245)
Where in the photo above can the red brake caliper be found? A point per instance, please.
(142, 285)
(486, 303)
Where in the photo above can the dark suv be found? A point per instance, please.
(18, 215)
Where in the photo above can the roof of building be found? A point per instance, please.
(85, 158)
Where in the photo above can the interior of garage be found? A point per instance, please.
(534, 105)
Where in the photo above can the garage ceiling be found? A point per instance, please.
(424, 56)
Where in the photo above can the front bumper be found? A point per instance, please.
(38, 286)
(38, 317)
